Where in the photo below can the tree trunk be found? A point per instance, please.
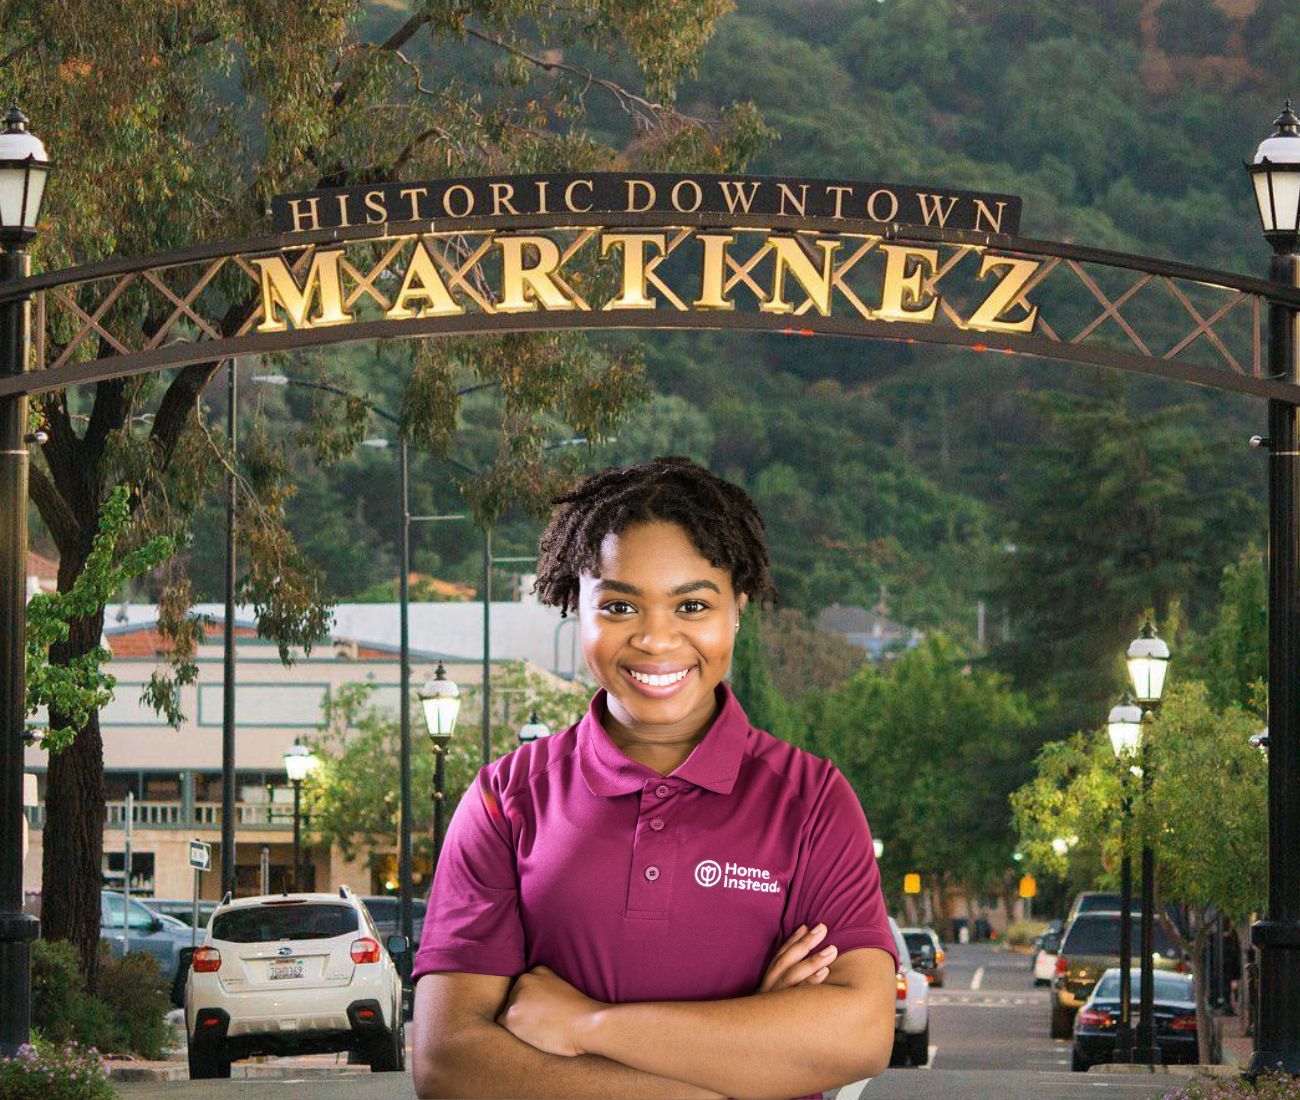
(73, 840)
(1206, 1037)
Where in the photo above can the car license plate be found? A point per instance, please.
(286, 968)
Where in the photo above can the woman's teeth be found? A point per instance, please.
(658, 681)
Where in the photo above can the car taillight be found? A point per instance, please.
(1183, 1023)
(901, 982)
(1095, 1017)
(206, 960)
(929, 979)
(1182, 967)
(365, 950)
(1062, 964)
(939, 956)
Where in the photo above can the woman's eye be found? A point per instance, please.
(693, 607)
(618, 607)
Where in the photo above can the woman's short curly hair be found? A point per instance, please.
(720, 518)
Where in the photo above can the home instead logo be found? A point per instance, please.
(735, 877)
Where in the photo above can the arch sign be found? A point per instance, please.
(620, 250)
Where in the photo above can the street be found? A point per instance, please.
(988, 1033)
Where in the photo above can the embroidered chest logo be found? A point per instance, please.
(734, 876)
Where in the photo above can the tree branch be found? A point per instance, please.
(54, 510)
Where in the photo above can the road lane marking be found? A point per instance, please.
(977, 979)
(930, 1056)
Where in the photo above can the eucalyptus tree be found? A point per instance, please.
(173, 124)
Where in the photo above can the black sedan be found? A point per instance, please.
(1175, 1018)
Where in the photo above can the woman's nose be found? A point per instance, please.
(656, 635)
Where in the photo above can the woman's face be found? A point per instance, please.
(658, 629)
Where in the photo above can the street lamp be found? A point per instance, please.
(1275, 175)
(1148, 660)
(440, 699)
(533, 729)
(24, 168)
(299, 763)
(1124, 725)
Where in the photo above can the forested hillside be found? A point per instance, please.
(1068, 500)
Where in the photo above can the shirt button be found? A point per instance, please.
(663, 790)
(652, 873)
(657, 824)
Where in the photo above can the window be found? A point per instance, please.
(1100, 936)
(111, 907)
(294, 921)
(1168, 987)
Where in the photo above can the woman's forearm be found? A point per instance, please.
(778, 1045)
(484, 1061)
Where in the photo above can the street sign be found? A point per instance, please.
(200, 855)
(912, 883)
(1028, 887)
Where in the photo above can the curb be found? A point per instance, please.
(1188, 1070)
(263, 1071)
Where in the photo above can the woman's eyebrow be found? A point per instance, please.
(617, 586)
(693, 586)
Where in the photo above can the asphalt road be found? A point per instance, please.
(988, 1034)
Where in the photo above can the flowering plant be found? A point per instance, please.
(1267, 1086)
(54, 1071)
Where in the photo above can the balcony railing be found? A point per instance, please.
(176, 815)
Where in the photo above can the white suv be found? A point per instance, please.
(911, 1009)
(294, 974)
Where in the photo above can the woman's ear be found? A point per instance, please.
(741, 601)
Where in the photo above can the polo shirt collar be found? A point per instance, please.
(713, 764)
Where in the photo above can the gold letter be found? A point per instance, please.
(499, 200)
(800, 203)
(899, 284)
(375, 204)
(734, 192)
(871, 206)
(633, 294)
(414, 194)
(344, 220)
(422, 281)
(1004, 295)
(568, 196)
(817, 284)
(632, 185)
(839, 193)
(298, 214)
(469, 201)
(323, 284)
(714, 271)
(517, 280)
(542, 185)
(699, 196)
(935, 208)
(982, 211)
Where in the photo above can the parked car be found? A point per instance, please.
(145, 931)
(1093, 901)
(1091, 944)
(1046, 948)
(926, 953)
(1174, 1007)
(183, 909)
(294, 974)
(386, 911)
(911, 1009)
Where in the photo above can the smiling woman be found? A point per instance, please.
(572, 943)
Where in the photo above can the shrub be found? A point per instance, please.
(138, 998)
(1268, 1086)
(1021, 933)
(54, 1071)
(56, 989)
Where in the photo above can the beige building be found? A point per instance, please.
(174, 775)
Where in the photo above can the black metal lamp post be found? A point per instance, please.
(299, 763)
(440, 699)
(1125, 728)
(1275, 174)
(1147, 659)
(24, 167)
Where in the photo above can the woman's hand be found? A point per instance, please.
(546, 1012)
(792, 964)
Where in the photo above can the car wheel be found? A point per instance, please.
(918, 1047)
(391, 1058)
(898, 1055)
(1078, 1063)
(1061, 1021)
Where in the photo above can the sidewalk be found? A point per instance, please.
(1237, 1048)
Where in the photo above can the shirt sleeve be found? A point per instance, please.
(837, 880)
(473, 923)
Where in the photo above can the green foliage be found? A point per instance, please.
(1232, 658)
(1021, 933)
(933, 746)
(127, 1014)
(1269, 1085)
(353, 797)
(43, 1070)
(76, 689)
(752, 682)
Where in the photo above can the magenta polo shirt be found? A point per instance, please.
(633, 886)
